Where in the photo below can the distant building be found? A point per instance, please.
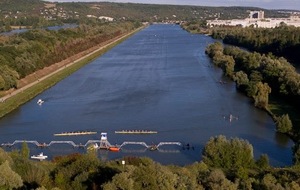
(106, 18)
(257, 15)
(257, 19)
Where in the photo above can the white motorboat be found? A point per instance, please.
(40, 156)
(40, 102)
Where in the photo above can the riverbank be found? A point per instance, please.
(37, 82)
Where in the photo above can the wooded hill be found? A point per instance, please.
(129, 11)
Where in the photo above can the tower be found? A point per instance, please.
(104, 144)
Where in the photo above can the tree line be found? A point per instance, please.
(249, 69)
(25, 53)
(280, 41)
(226, 164)
(259, 76)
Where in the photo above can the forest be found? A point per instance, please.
(23, 54)
(226, 164)
(281, 41)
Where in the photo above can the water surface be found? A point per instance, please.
(159, 79)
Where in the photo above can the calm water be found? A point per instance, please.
(159, 79)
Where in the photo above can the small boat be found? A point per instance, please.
(114, 149)
(136, 132)
(40, 156)
(153, 147)
(93, 147)
(40, 102)
(75, 133)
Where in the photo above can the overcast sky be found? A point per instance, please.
(268, 4)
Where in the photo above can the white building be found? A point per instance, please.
(106, 18)
(256, 19)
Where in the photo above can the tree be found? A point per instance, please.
(120, 181)
(261, 97)
(8, 178)
(284, 124)
(2, 83)
(241, 80)
(270, 182)
(228, 154)
(25, 151)
(4, 156)
(263, 162)
(218, 180)
(296, 154)
(214, 49)
(10, 76)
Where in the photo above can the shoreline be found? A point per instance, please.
(37, 82)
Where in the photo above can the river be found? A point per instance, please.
(159, 79)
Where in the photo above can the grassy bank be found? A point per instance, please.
(19, 99)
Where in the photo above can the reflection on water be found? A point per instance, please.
(282, 139)
(159, 79)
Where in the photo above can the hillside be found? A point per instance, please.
(16, 10)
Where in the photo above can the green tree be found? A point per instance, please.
(153, 176)
(263, 162)
(296, 154)
(25, 151)
(214, 49)
(270, 182)
(241, 80)
(2, 83)
(284, 124)
(8, 178)
(261, 97)
(229, 154)
(122, 181)
(10, 77)
(217, 180)
(4, 156)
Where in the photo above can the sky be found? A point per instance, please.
(267, 4)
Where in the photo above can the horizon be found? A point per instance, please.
(264, 4)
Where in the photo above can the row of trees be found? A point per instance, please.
(25, 53)
(281, 41)
(258, 75)
(227, 164)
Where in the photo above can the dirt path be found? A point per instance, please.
(46, 72)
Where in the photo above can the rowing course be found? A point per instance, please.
(159, 79)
